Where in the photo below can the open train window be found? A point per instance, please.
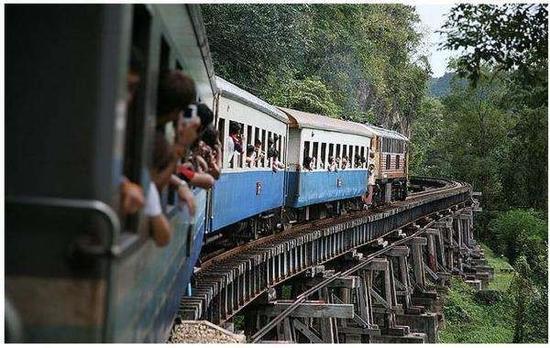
(388, 162)
(314, 155)
(283, 153)
(330, 153)
(264, 150)
(234, 158)
(221, 134)
(350, 156)
(164, 54)
(363, 163)
(306, 152)
(344, 152)
(397, 162)
(323, 158)
(280, 147)
(270, 137)
(138, 84)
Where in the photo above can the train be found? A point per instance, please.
(76, 269)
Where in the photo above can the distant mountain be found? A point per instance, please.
(441, 86)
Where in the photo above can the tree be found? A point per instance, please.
(506, 37)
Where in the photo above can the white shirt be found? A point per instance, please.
(152, 205)
(372, 179)
(229, 151)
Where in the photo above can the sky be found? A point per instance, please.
(432, 17)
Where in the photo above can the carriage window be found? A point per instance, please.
(138, 85)
(323, 159)
(363, 158)
(221, 135)
(344, 155)
(388, 163)
(330, 154)
(350, 156)
(279, 148)
(338, 156)
(314, 155)
(164, 54)
(264, 149)
(397, 162)
(270, 138)
(306, 153)
(249, 135)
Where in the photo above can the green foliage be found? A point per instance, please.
(467, 321)
(357, 62)
(520, 232)
(309, 94)
(506, 37)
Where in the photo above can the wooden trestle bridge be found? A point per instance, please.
(363, 277)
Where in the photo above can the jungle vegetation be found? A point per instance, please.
(488, 127)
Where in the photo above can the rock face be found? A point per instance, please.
(488, 296)
(189, 331)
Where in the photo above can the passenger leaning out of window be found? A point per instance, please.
(162, 168)
(233, 144)
(197, 170)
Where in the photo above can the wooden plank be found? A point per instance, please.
(377, 264)
(304, 329)
(399, 250)
(310, 309)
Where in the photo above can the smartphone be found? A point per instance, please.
(190, 113)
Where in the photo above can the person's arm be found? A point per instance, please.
(202, 165)
(131, 197)
(161, 230)
(184, 193)
(202, 180)
(215, 163)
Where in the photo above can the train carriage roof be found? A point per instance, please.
(301, 119)
(230, 91)
(385, 133)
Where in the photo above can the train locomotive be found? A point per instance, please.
(78, 271)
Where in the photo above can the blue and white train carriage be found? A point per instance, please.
(314, 142)
(244, 191)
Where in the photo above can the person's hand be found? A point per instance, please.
(186, 196)
(131, 197)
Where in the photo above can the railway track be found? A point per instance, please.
(233, 280)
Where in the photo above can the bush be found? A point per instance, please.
(518, 232)
(488, 296)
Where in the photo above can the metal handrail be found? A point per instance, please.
(94, 206)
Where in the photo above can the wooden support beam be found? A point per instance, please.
(306, 331)
(399, 250)
(310, 309)
(377, 264)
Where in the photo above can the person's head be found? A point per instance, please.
(206, 115)
(163, 163)
(234, 128)
(330, 159)
(187, 128)
(257, 143)
(270, 141)
(371, 155)
(210, 136)
(176, 91)
(137, 67)
(249, 150)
